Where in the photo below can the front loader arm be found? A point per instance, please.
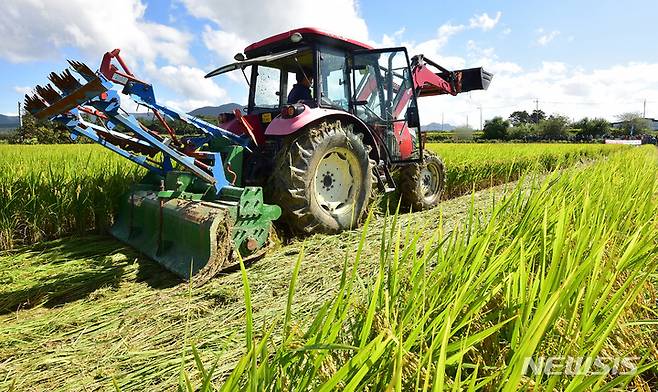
(429, 83)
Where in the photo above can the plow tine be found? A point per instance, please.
(48, 102)
(34, 104)
(82, 69)
(49, 94)
(65, 81)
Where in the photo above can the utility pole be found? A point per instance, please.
(467, 121)
(537, 104)
(644, 112)
(480, 107)
(20, 115)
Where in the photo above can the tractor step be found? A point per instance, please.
(385, 181)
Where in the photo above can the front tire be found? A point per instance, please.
(422, 184)
(323, 179)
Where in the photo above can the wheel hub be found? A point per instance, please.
(429, 182)
(336, 177)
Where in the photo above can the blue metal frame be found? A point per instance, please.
(108, 102)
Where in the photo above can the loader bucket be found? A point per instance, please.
(194, 238)
(475, 79)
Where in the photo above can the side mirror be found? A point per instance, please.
(413, 121)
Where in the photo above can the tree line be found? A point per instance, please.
(521, 125)
(35, 131)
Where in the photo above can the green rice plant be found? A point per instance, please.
(477, 165)
(558, 270)
(47, 192)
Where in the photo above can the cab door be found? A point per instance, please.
(383, 97)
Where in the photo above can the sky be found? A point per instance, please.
(574, 58)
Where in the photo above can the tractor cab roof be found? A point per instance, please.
(280, 46)
(285, 41)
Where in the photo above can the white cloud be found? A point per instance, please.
(484, 21)
(560, 88)
(188, 82)
(223, 43)
(545, 39)
(22, 89)
(507, 31)
(38, 30)
(446, 31)
(390, 40)
(263, 18)
(487, 58)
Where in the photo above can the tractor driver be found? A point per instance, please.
(301, 91)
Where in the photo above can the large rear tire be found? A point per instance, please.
(323, 179)
(422, 184)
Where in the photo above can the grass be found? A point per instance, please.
(48, 192)
(453, 296)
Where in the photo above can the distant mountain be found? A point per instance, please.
(208, 111)
(213, 111)
(437, 127)
(8, 121)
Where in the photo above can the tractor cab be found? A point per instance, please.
(374, 87)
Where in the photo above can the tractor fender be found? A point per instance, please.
(287, 126)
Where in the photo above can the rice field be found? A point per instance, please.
(472, 166)
(48, 192)
(563, 264)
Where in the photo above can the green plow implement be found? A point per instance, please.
(191, 236)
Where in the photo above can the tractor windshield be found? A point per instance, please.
(383, 96)
(272, 82)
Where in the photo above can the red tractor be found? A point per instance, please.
(320, 157)
(310, 151)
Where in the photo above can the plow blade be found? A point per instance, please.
(193, 238)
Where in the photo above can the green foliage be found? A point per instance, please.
(479, 165)
(521, 131)
(554, 127)
(35, 131)
(50, 191)
(463, 132)
(496, 128)
(537, 116)
(632, 124)
(438, 136)
(519, 118)
(596, 127)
